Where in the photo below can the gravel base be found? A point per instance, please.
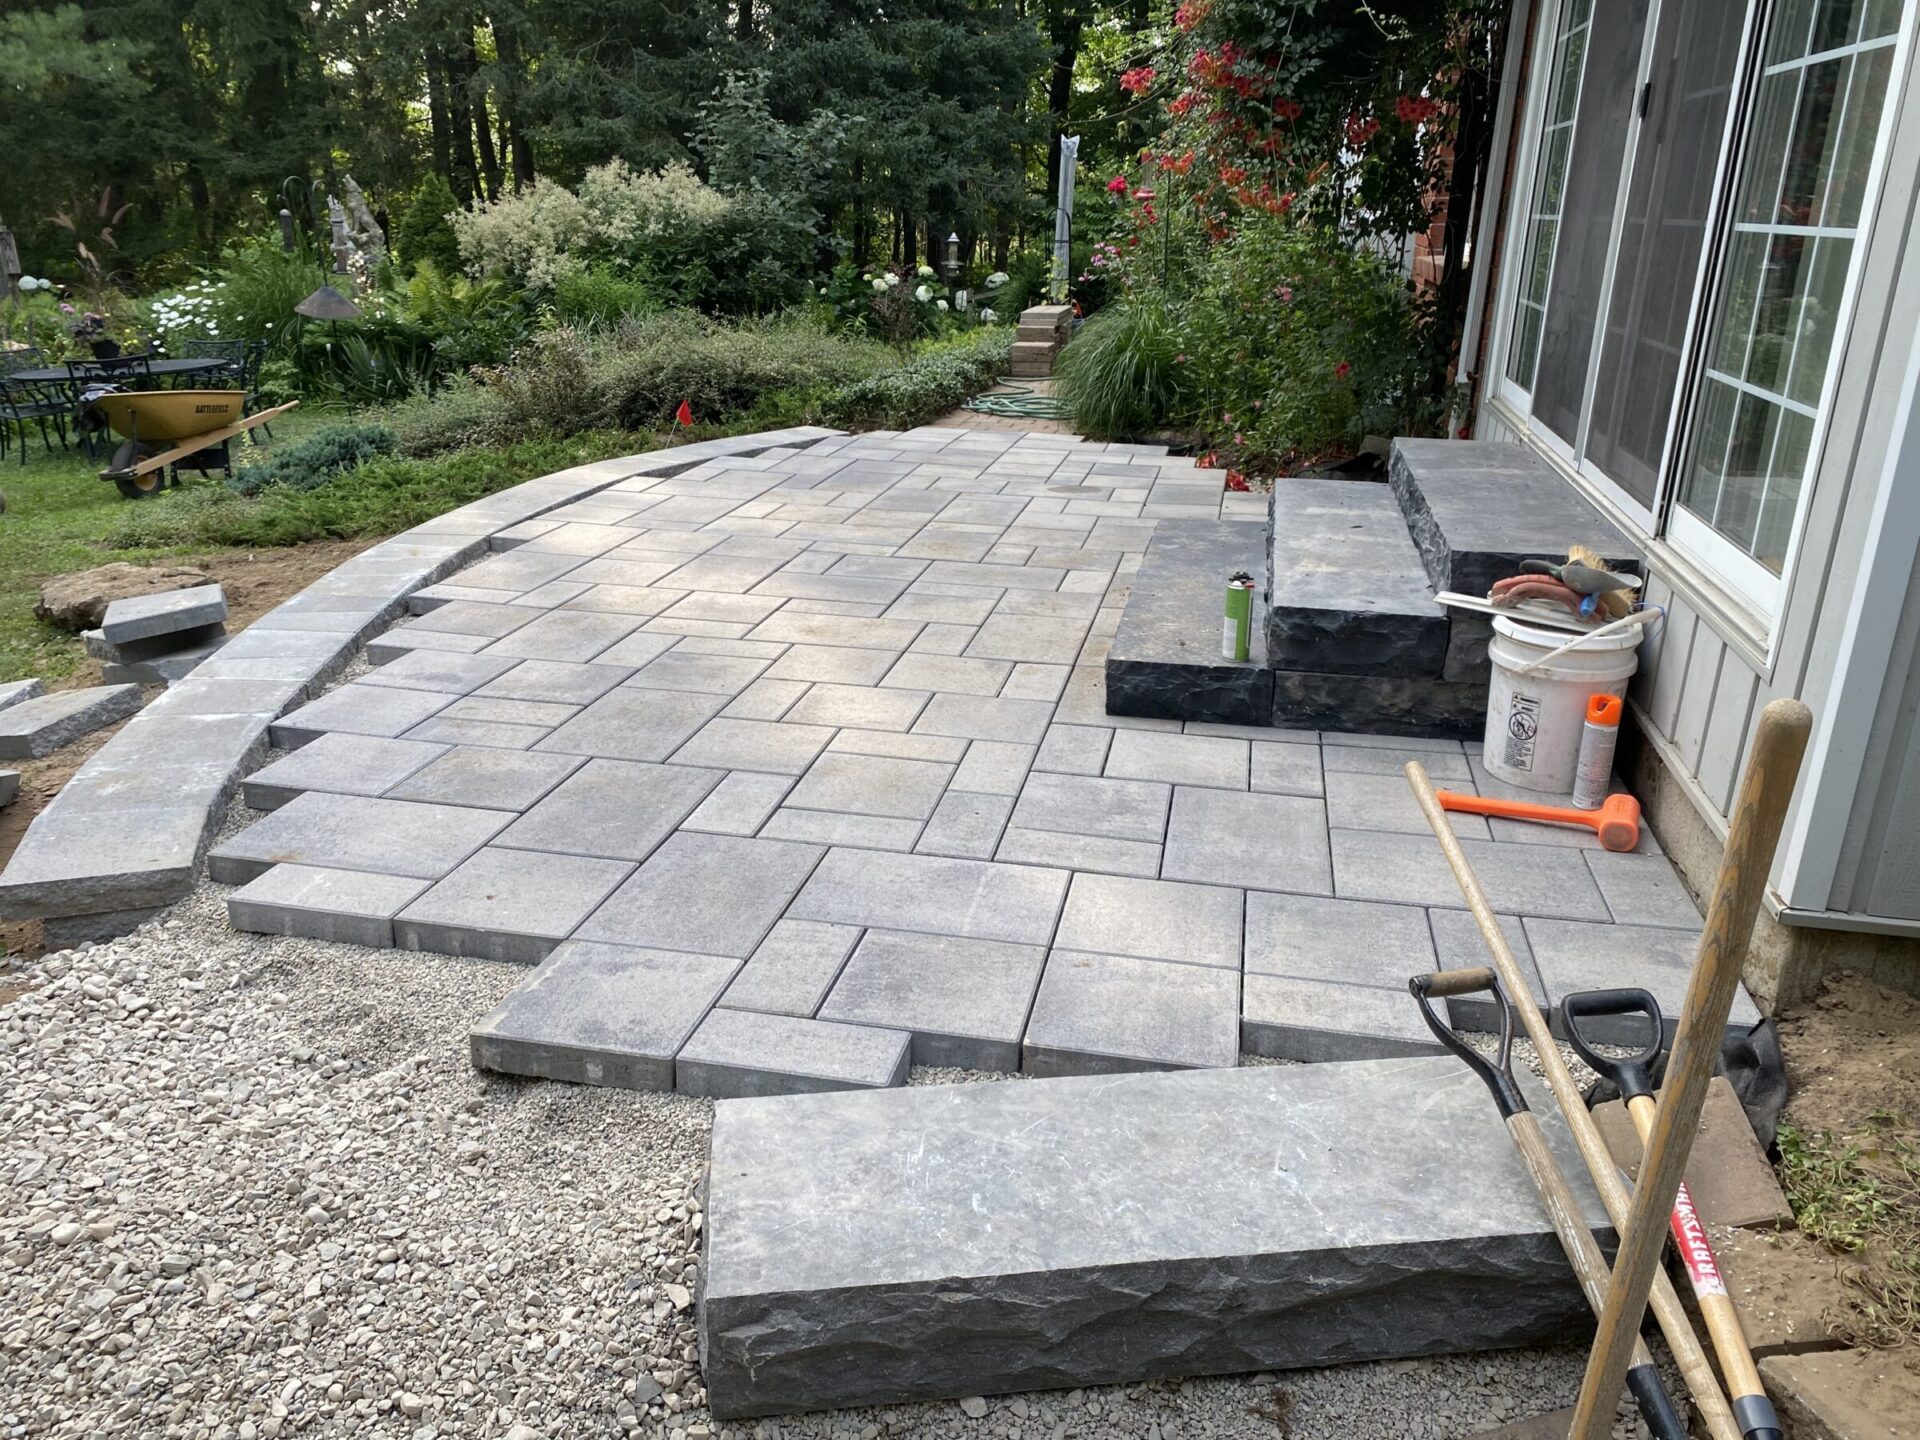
(251, 1186)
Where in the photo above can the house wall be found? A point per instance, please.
(1851, 858)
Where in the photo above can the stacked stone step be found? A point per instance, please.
(12, 693)
(158, 639)
(1043, 330)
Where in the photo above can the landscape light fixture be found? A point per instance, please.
(951, 267)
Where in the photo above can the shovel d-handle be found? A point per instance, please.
(1497, 1072)
(1631, 1074)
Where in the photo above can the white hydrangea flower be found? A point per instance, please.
(940, 304)
(987, 316)
(923, 294)
(925, 271)
(997, 279)
(892, 279)
(879, 285)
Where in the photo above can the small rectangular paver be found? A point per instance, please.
(1074, 749)
(568, 681)
(1095, 853)
(350, 907)
(628, 724)
(338, 762)
(872, 785)
(1643, 890)
(1178, 759)
(471, 618)
(739, 1053)
(483, 776)
(614, 809)
(439, 670)
(1409, 869)
(707, 674)
(1153, 920)
(1284, 1017)
(1101, 1014)
(602, 1014)
(953, 674)
(754, 745)
(1444, 762)
(971, 898)
(978, 717)
(840, 664)
(965, 826)
(577, 635)
(1458, 945)
(830, 827)
(1285, 769)
(964, 1001)
(141, 617)
(994, 767)
(793, 968)
(1361, 800)
(1240, 837)
(1089, 805)
(358, 709)
(706, 894)
(511, 905)
(739, 804)
(43, 724)
(353, 832)
(867, 707)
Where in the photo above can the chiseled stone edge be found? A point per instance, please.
(67, 863)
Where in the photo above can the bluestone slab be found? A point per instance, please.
(738, 1053)
(141, 617)
(1020, 1242)
(43, 724)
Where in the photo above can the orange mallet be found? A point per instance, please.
(1616, 822)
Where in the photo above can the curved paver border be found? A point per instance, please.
(128, 833)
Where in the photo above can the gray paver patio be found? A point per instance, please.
(824, 741)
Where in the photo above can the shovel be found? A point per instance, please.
(1583, 1251)
(1633, 1077)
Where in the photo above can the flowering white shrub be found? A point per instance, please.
(190, 313)
(631, 210)
(534, 237)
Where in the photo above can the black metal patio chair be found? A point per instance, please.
(232, 374)
(129, 372)
(29, 402)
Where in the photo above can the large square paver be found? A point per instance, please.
(341, 763)
(767, 745)
(872, 785)
(1357, 942)
(1153, 920)
(1103, 1014)
(569, 682)
(792, 970)
(705, 674)
(511, 905)
(599, 1014)
(634, 724)
(1236, 837)
(1572, 956)
(1178, 759)
(445, 671)
(1287, 1018)
(1089, 805)
(935, 895)
(354, 832)
(869, 707)
(615, 809)
(1517, 879)
(964, 1001)
(708, 894)
(350, 907)
(482, 775)
(359, 709)
(740, 1053)
(977, 717)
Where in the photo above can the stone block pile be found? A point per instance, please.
(1036, 344)
(160, 638)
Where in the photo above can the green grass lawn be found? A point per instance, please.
(58, 517)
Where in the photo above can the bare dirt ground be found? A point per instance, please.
(255, 582)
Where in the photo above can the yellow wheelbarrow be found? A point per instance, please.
(164, 427)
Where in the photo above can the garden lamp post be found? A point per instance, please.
(950, 267)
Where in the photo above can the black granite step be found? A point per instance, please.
(1165, 660)
(1348, 591)
(1477, 508)
(1380, 704)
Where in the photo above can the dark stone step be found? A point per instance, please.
(1380, 704)
(1477, 508)
(1348, 592)
(1165, 661)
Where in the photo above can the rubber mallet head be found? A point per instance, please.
(1617, 822)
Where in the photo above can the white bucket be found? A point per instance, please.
(1535, 711)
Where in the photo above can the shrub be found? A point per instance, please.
(597, 297)
(259, 285)
(315, 460)
(532, 237)
(549, 388)
(1121, 373)
(422, 232)
(471, 322)
(923, 388)
(457, 415)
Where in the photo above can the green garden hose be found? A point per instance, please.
(1013, 401)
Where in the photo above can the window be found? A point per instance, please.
(1683, 264)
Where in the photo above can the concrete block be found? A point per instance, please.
(1286, 1018)
(340, 763)
(602, 1014)
(42, 725)
(1165, 659)
(480, 776)
(142, 617)
(1105, 1014)
(1410, 870)
(1643, 890)
(613, 809)
(1010, 1246)
(511, 905)
(1381, 704)
(13, 692)
(706, 894)
(965, 826)
(964, 1001)
(793, 968)
(933, 895)
(351, 907)
(1153, 920)
(440, 671)
(737, 1053)
(352, 832)
(1727, 1172)
(1088, 805)
(739, 804)
(1236, 837)
(358, 709)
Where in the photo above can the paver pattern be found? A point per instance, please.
(822, 735)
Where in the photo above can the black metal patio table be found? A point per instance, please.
(196, 365)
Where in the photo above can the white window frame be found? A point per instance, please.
(1666, 524)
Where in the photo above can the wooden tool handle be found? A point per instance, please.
(1687, 1351)
(1442, 983)
(1779, 741)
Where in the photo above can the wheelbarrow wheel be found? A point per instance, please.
(136, 487)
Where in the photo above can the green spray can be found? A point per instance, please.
(1236, 632)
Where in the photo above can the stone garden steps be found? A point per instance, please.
(869, 1248)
